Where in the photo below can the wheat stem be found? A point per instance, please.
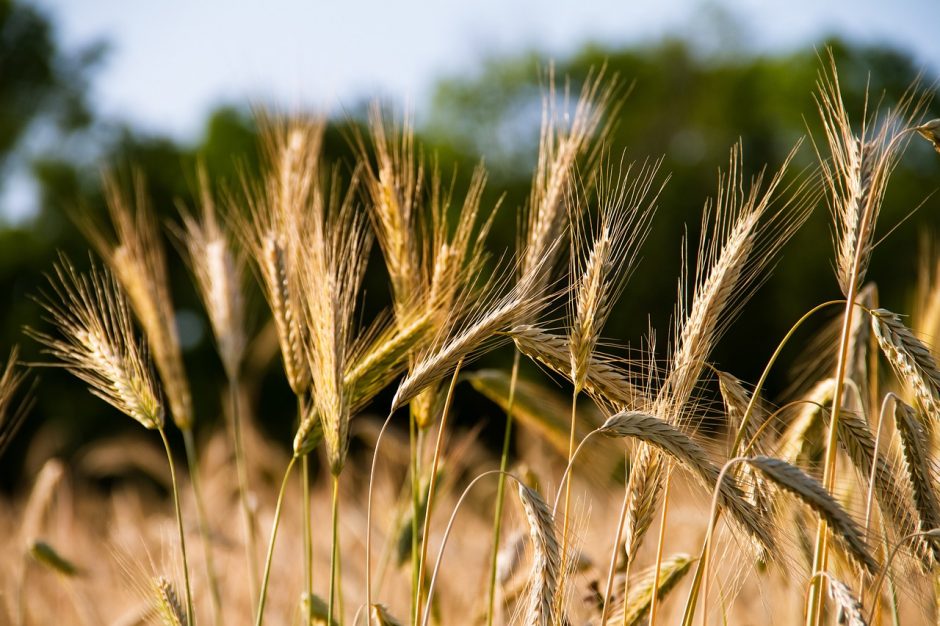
(375, 454)
(244, 489)
(501, 489)
(613, 553)
(654, 605)
(305, 509)
(262, 597)
(190, 612)
(334, 549)
(189, 446)
(415, 511)
(426, 533)
(742, 427)
(566, 523)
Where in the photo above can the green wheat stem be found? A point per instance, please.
(244, 488)
(415, 512)
(429, 507)
(305, 508)
(190, 611)
(274, 526)
(334, 547)
(501, 489)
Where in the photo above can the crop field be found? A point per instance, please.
(633, 480)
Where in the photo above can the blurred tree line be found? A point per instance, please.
(683, 105)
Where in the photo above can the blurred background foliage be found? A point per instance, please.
(683, 104)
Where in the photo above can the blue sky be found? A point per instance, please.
(172, 60)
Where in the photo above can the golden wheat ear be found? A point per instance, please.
(97, 343)
(602, 260)
(857, 169)
(333, 252)
(134, 255)
(219, 274)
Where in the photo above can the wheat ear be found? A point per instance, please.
(166, 603)
(911, 359)
(795, 481)
(98, 343)
(667, 438)
(546, 567)
(914, 450)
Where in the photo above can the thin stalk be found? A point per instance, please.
(201, 520)
(334, 548)
(654, 605)
(565, 524)
(244, 488)
(739, 436)
(613, 554)
(375, 454)
(415, 512)
(501, 490)
(821, 554)
(701, 580)
(277, 519)
(450, 524)
(190, 611)
(432, 482)
(305, 508)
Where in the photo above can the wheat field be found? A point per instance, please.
(614, 499)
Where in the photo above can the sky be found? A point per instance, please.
(171, 61)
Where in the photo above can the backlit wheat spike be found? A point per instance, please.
(849, 610)
(277, 210)
(559, 148)
(166, 603)
(915, 451)
(601, 267)
(857, 170)
(394, 184)
(137, 261)
(667, 438)
(546, 563)
(735, 247)
(647, 476)
(910, 358)
(218, 275)
(795, 481)
(380, 616)
(97, 341)
(604, 381)
(858, 441)
(333, 250)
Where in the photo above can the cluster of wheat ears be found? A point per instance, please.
(851, 461)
